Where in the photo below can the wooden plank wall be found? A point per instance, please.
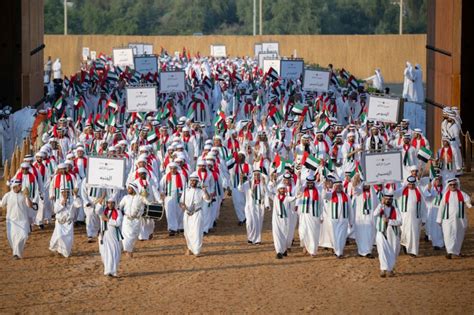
(443, 55)
(360, 54)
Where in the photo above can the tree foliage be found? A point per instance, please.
(186, 17)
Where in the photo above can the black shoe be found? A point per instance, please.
(258, 243)
(41, 226)
(449, 256)
(250, 242)
(181, 230)
(240, 223)
(404, 250)
(214, 224)
(172, 233)
(285, 253)
(90, 240)
(436, 248)
(279, 256)
(339, 256)
(427, 238)
(412, 255)
(370, 256)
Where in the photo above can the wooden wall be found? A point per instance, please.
(359, 54)
(443, 55)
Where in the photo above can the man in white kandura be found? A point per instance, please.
(387, 223)
(18, 205)
(65, 209)
(413, 211)
(256, 201)
(453, 217)
(192, 202)
(310, 214)
(110, 238)
(282, 203)
(341, 216)
(133, 206)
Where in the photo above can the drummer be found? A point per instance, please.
(192, 202)
(146, 189)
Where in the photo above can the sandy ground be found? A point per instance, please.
(231, 277)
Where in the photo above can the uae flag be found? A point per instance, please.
(352, 82)
(152, 137)
(424, 154)
(59, 103)
(310, 162)
(275, 115)
(432, 171)
(334, 80)
(230, 162)
(219, 121)
(112, 104)
(357, 169)
(344, 74)
(297, 109)
(272, 74)
(324, 123)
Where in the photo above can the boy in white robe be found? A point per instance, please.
(92, 198)
(110, 238)
(18, 206)
(341, 216)
(192, 201)
(133, 206)
(413, 210)
(65, 209)
(309, 203)
(282, 203)
(366, 201)
(256, 201)
(435, 232)
(387, 222)
(171, 188)
(453, 217)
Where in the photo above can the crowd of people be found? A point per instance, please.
(237, 133)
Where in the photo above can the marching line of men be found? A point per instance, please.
(304, 166)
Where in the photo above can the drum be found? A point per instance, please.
(154, 211)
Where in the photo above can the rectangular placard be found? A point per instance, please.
(147, 49)
(382, 167)
(85, 53)
(145, 64)
(266, 55)
(93, 55)
(141, 99)
(291, 69)
(384, 109)
(257, 48)
(123, 57)
(218, 51)
(316, 80)
(106, 172)
(271, 46)
(137, 48)
(271, 63)
(172, 82)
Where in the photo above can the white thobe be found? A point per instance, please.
(387, 236)
(281, 223)
(364, 220)
(17, 221)
(110, 243)
(256, 200)
(412, 218)
(341, 217)
(63, 235)
(453, 218)
(133, 207)
(310, 216)
(194, 199)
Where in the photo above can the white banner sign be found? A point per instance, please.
(141, 99)
(172, 81)
(265, 55)
(147, 49)
(271, 47)
(382, 167)
(93, 55)
(383, 109)
(291, 69)
(85, 53)
(271, 63)
(218, 51)
(257, 48)
(106, 173)
(123, 57)
(145, 64)
(314, 80)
